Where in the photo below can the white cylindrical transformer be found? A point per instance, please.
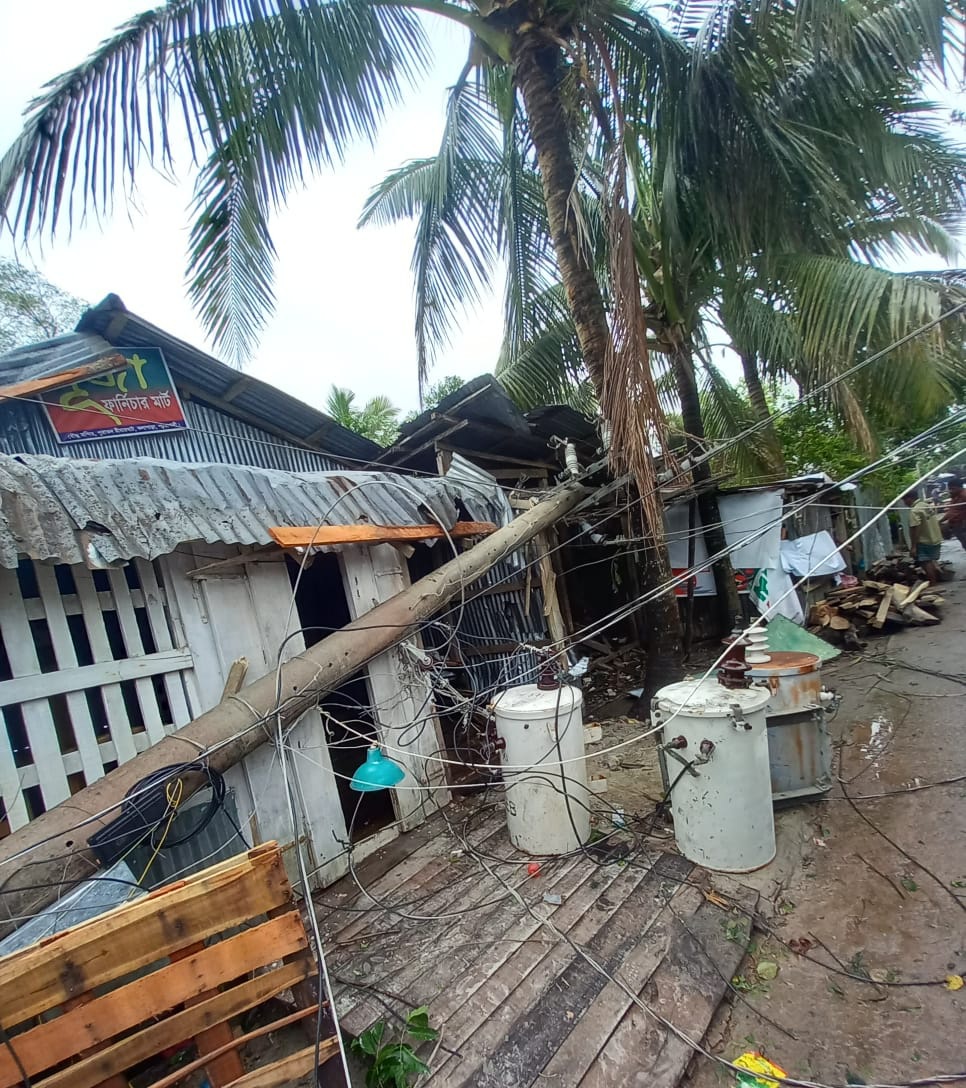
(545, 772)
(718, 766)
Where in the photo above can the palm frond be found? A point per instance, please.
(231, 263)
(273, 89)
(455, 197)
(726, 413)
(548, 368)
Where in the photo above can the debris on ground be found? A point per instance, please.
(851, 613)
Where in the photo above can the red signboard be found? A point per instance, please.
(140, 399)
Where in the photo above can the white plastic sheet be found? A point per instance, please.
(812, 556)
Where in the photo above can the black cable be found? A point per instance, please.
(905, 853)
(24, 1079)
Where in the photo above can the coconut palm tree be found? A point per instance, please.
(377, 419)
(763, 158)
(266, 91)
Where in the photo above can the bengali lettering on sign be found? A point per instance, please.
(140, 399)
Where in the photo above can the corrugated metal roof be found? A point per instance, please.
(110, 324)
(101, 512)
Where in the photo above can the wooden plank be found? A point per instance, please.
(525, 937)
(131, 633)
(429, 962)
(579, 1050)
(879, 619)
(70, 602)
(70, 963)
(323, 821)
(33, 386)
(917, 591)
(117, 718)
(38, 720)
(105, 1017)
(288, 1069)
(484, 1022)
(239, 1041)
(541, 1026)
(174, 1029)
(551, 602)
(309, 536)
(405, 882)
(468, 946)
(223, 1063)
(41, 685)
(92, 765)
(11, 783)
(685, 989)
(345, 893)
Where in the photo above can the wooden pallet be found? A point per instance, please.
(88, 1005)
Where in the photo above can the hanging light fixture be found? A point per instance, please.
(377, 773)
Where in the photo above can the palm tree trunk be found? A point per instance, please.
(759, 405)
(539, 69)
(724, 579)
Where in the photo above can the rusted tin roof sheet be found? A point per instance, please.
(62, 510)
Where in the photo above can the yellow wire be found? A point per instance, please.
(173, 791)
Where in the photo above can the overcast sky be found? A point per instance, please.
(345, 302)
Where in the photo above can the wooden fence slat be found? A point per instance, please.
(105, 1017)
(11, 783)
(70, 602)
(131, 634)
(42, 685)
(38, 719)
(175, 1029)
(117, 719)
(85, 734)
(47, 974)
(154, 603)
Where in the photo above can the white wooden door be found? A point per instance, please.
(402, 696)
(89, 677)
(244, 612)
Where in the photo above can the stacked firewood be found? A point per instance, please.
(874, 605)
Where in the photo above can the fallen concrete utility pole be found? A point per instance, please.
(41, 861)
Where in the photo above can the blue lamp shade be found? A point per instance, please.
(377, 773)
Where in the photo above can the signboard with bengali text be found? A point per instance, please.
(140, 399)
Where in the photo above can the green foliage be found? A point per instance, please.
(442, 389)
(437, 392)
(814, 440)
(32, 309)
(377, 419)
(393, 1064)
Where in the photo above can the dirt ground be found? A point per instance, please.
(891, 913)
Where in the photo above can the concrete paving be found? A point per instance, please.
(894, 912)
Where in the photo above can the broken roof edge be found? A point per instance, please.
(101, 513)
(110, 325)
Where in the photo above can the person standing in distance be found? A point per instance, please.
(925, 535)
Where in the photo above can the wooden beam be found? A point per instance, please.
(242, 1040)
(308, 536)
(289, 1069)
(134, 935)
(63, 377)
(486, 456)
(236, 387)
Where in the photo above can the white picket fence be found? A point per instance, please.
(89, 677)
